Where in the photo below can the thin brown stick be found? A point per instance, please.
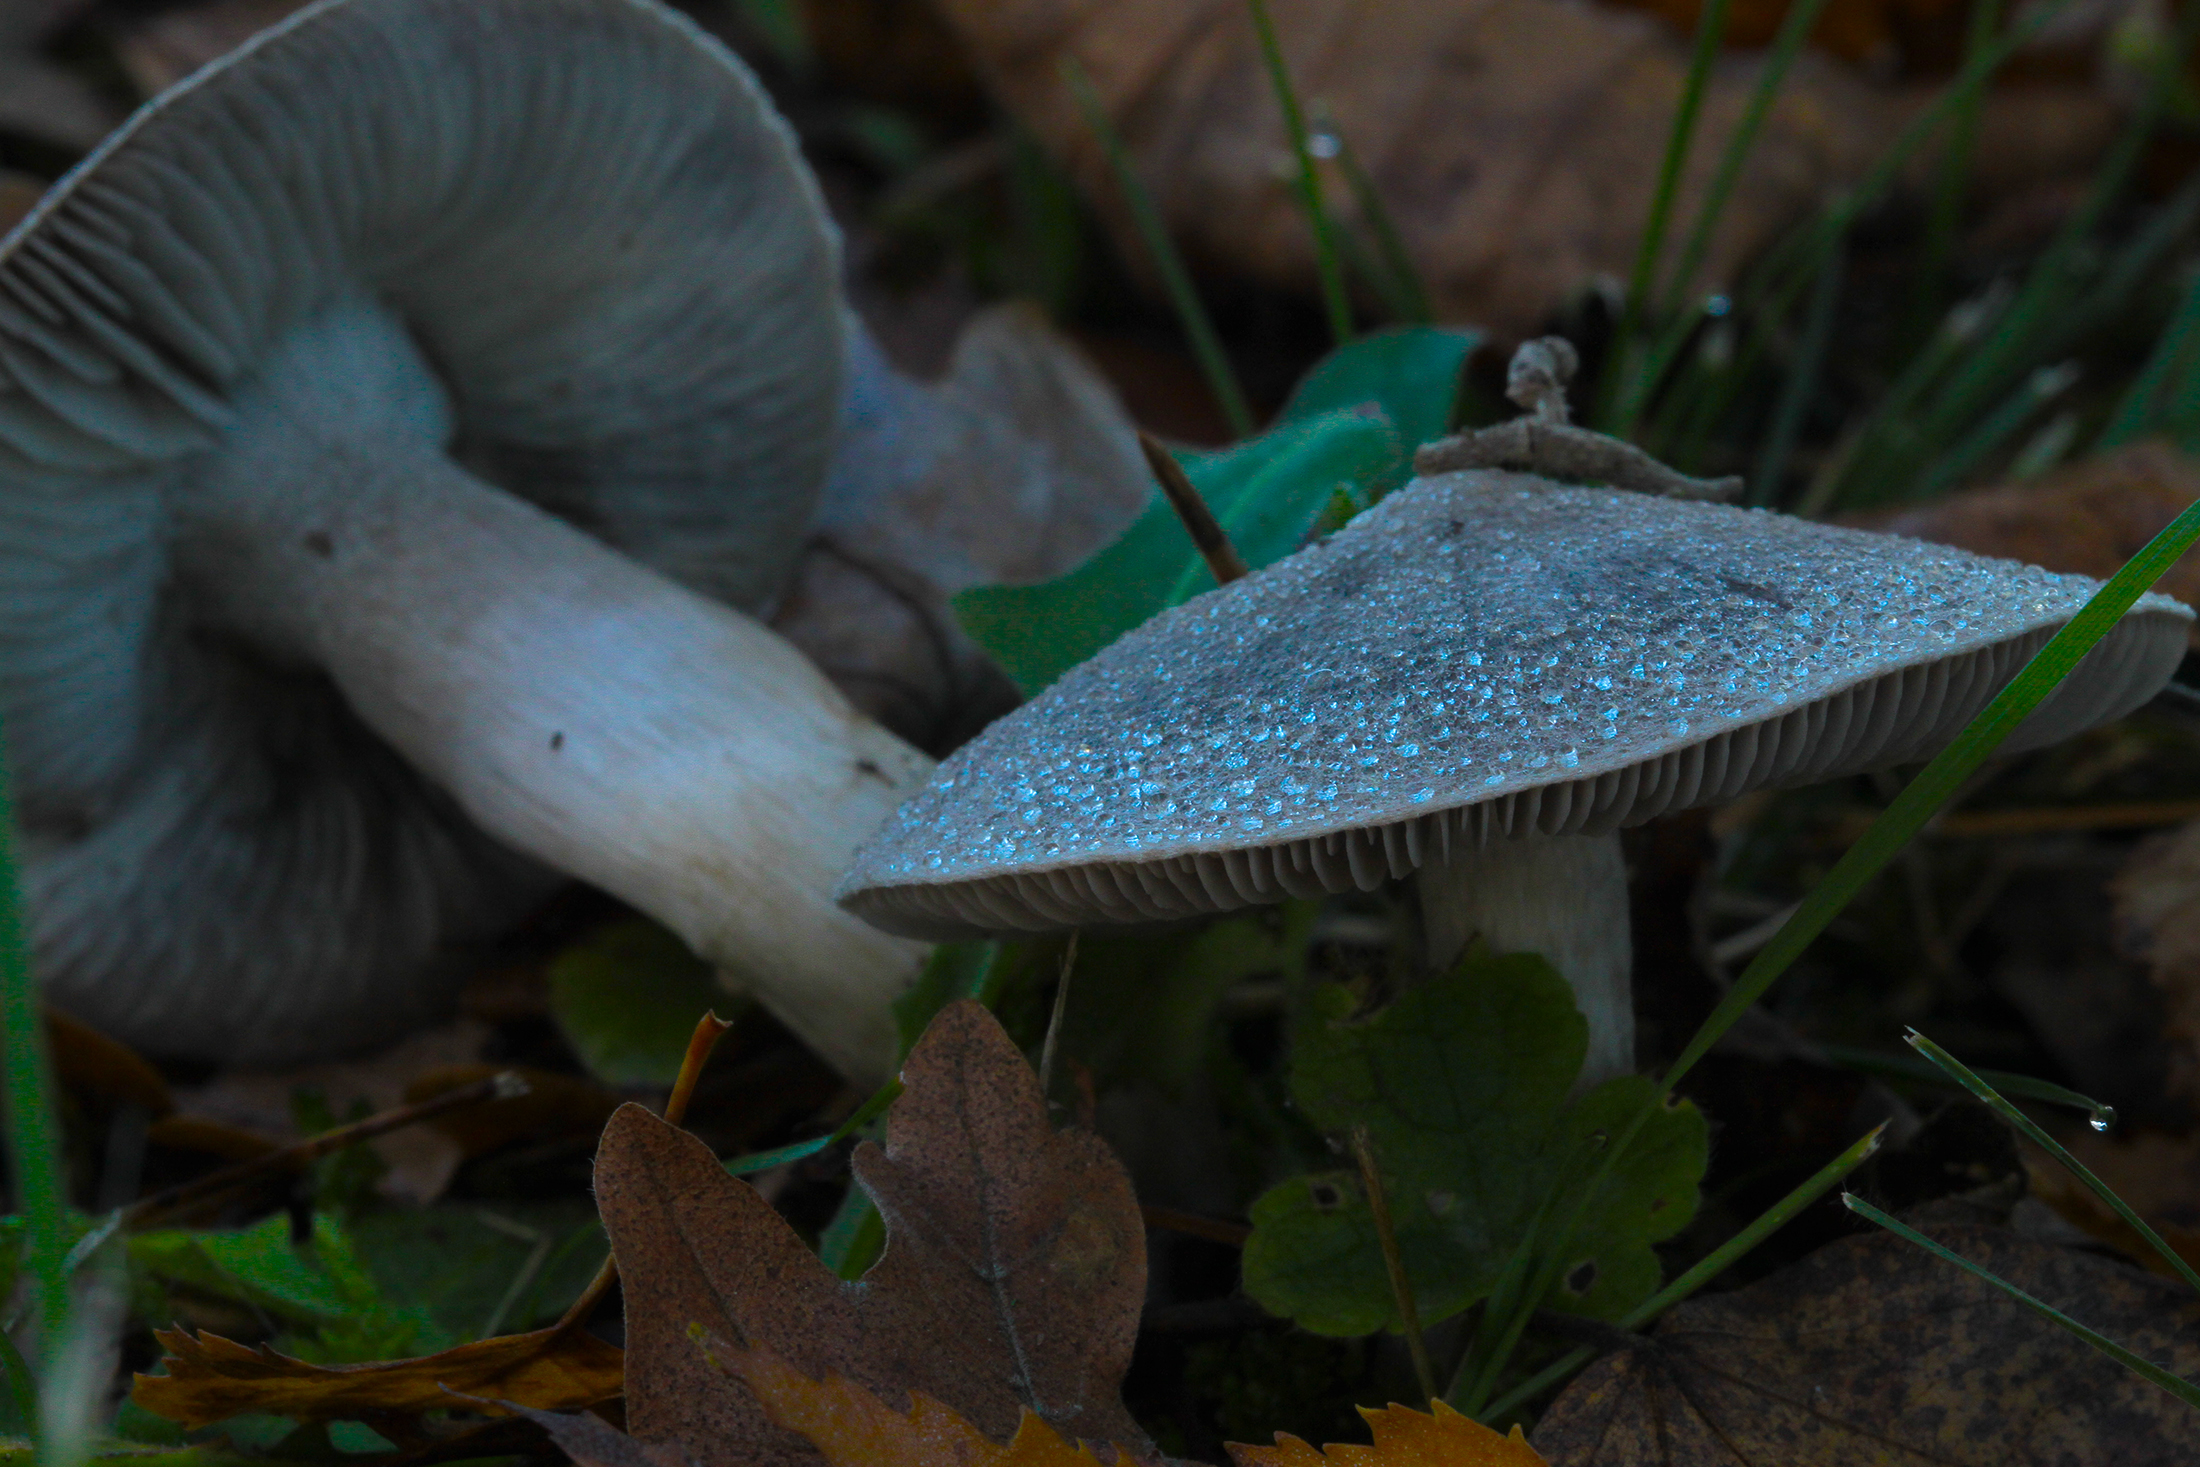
(503, 1086)
(1199, 521)
(709, 1029)
(1196, 1225)
(1409, 1315)
(1054, 1020)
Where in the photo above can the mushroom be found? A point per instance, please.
(392, 418)
(1475, 685)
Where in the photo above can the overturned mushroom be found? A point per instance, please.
(428, 376)
(1475, 684)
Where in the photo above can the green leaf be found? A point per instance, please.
(1463, 1085)
(1267, 493)
(627, 998)
(468, 1266)
(1410, 372)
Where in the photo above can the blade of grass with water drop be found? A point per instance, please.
(1908, 1067)
(2033, 1132)
(1191, 313)
(1400, 283)
(2184, 1390)
(1709, 1267)
(1710, 35)
(1335, 302)
(1904, 816)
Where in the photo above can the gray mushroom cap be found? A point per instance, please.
(593, 225)
(1483, 655)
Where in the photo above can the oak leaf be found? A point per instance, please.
(1872, 1350)
(1404, 1437)
(211, 1379)
(1013, 1274)
(850, 1427)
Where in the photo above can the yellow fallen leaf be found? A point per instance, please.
(850, 1427)
(210, 1379)
(1404, 1437)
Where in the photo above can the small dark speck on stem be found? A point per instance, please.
(866, 766)
(320, 544)
(557, 742)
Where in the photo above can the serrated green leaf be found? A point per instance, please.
(1410, 372)
(627, 998)
(1463, 1085)
(1266, 492)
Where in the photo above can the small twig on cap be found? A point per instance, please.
(709, 1029)
(1409, 1314)
(1547, 441)
(505, 1085)
(1199, 521)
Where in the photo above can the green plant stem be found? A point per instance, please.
(1787, 44)
(1788, 269)
(2031, 1130)
(1334, 300)
(33, 1134)
(1402, 286)
(1710, 34)
(869, 1111)
(1955, 178)
(2168, 367)
(1386, 1237)
(2184, 1390)
(1718, 1261)
(1802, 381)
(1199, 329)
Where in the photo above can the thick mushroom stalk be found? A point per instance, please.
(1561, 897)
(582, 708)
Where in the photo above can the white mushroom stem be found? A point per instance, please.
(1563, 897)
(579, 706)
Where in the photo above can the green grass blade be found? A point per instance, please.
(2145, 404)
(2040, 388)
(1326, 261)
(1908, 1067)
(2184, 1390)
(1787, 44)
(33, 1133)
(2032, 1131)
(1401, 282)
(869, 1111)
(1191, 313)
(1940, 779)
(1802, 380)
(1710, 34)
(1709, 1267)
(1930, 283)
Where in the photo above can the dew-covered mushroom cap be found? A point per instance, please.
(1483, 655)
(587, 219)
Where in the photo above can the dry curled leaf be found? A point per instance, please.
(1516, 143)
(211, 1379)
(2088, 517)
(1872, 1350)
(1013, 1275)
(1014, 467)
(1404, 1437)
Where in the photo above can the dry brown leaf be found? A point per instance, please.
(1872, 1350)
(1404, 1437)
(2157, 1174)
(19, 192)
(211, 1379)
(1013, 1275)
(1013, 468)
(1516, 143)
(89, 1064)
(850, 1427)
(171, 43)
(2155, 913)
(2088, 517)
